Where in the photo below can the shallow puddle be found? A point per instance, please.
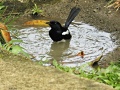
(85, 38)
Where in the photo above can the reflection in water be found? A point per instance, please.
(58, 48)
(84, 38)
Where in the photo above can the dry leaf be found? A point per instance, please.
(81, 54)
(37, 22)
(116, 5)
(5, 34)
(3, 27)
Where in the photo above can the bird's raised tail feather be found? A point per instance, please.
(73, 13)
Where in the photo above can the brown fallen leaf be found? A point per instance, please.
(4, 33)
(37, 23)
(115, 4)
(81, 54)
(2, 26)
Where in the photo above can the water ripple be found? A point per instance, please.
(84, 38)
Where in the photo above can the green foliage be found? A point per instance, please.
(1, 6)
(36, 10)
(60, 67)
(110, 1)
(14, 48)
(2, 10)
(2, 39)
(41, 62)
(6, 18)
(110, 75)
(9, 18)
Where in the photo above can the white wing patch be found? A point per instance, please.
(66, 32)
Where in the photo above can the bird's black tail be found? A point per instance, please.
(73, 13)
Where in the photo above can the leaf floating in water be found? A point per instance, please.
(81, 54)
(4, 33)
(37, 23)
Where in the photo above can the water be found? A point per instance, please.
(85, 38)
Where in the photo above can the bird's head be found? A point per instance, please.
(54, 24)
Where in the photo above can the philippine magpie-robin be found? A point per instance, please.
(59, 32)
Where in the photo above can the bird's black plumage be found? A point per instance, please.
(59, 32)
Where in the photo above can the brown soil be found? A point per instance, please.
(93, 12)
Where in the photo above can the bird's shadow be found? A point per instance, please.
(57, 49)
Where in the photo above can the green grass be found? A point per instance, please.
(36, 10)
(7, 18)
(13, 46)
(109, 75)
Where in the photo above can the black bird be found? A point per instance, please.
(59, 32)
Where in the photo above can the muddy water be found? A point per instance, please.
(85, 38)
